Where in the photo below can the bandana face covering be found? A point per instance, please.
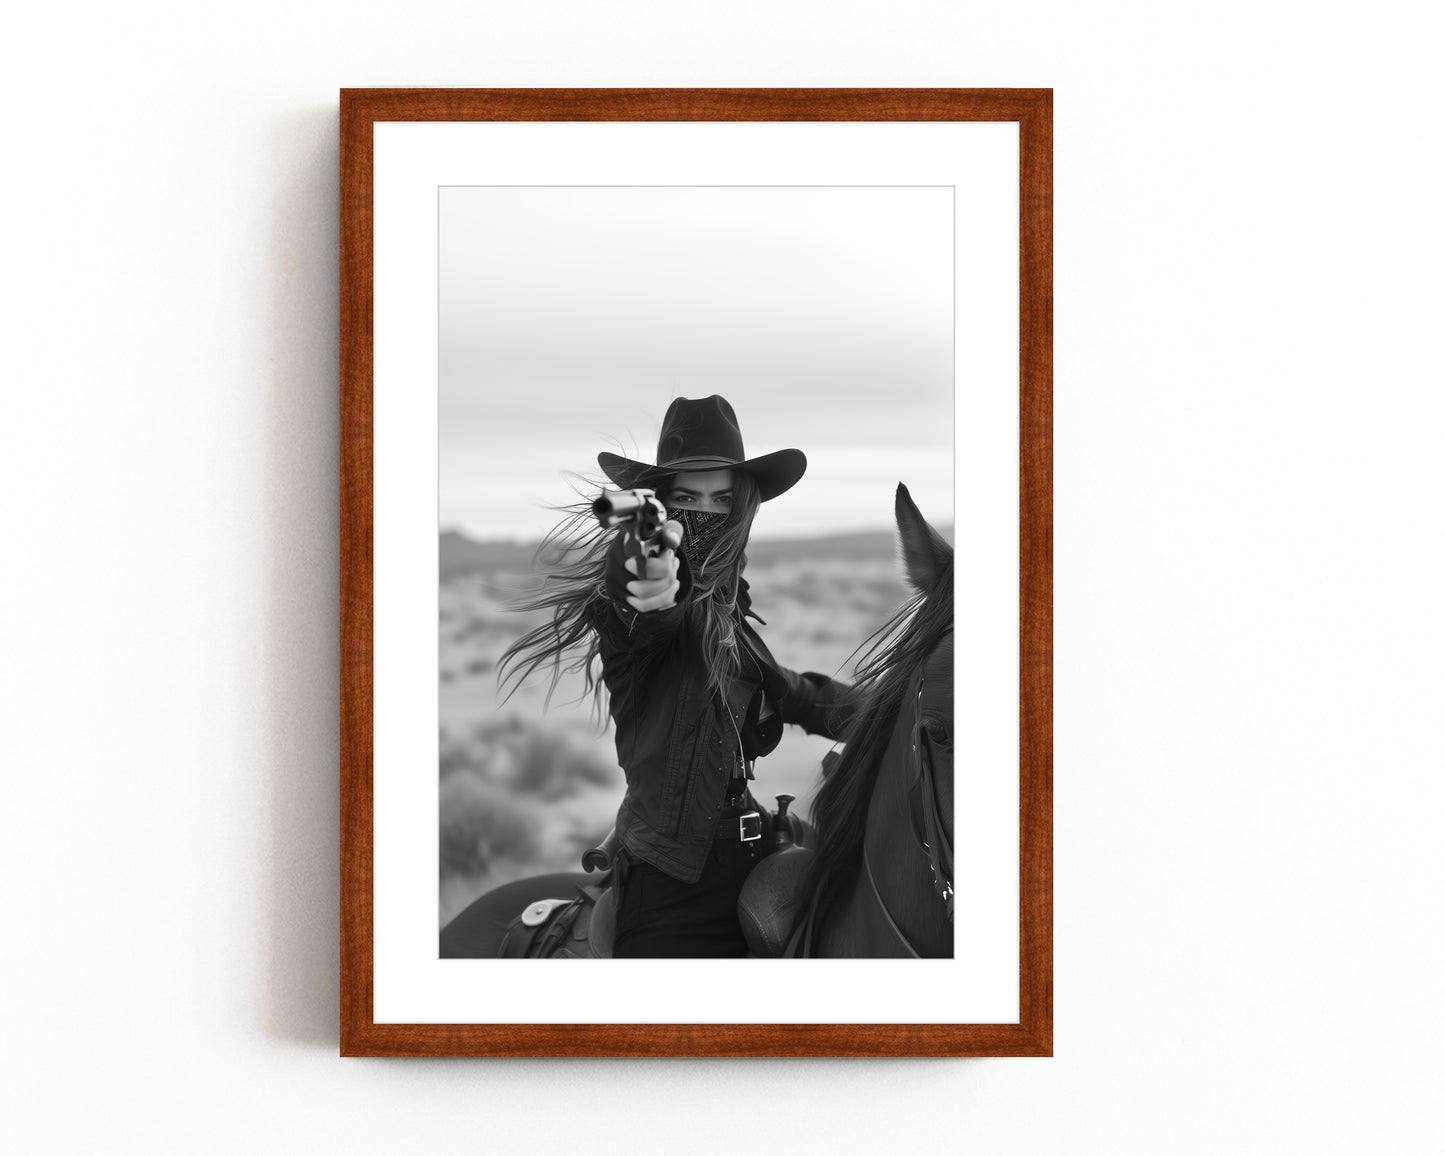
(700, 529)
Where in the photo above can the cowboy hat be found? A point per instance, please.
(703, 435)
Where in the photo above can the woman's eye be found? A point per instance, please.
(725, 501)
(678, 499)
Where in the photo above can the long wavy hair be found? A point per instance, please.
(573, 592)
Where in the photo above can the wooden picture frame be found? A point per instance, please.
(1032, 1034)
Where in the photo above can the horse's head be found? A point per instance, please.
(926, 763)
(885, 814)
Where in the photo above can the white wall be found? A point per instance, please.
(1249, 545)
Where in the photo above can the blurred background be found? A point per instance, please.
(569, 318)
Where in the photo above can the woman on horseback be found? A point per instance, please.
(694, 694)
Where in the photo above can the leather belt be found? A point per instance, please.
(748, 827)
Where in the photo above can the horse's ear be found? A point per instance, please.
(925, 553)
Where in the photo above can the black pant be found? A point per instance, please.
(660, 918)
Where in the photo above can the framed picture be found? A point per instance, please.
(665, 415)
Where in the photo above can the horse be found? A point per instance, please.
(880, 882)
(873, 877)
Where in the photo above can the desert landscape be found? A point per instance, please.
(526, 785)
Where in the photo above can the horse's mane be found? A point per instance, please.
(889, 656)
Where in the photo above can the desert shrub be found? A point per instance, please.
(550, 765)
(454, 756)
(482, 826)
(537, 760)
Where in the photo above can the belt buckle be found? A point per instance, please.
(752, 821)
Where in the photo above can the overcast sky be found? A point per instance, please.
(571, 316)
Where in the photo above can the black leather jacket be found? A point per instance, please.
(678, 744)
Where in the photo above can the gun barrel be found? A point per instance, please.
(638, 510)
(621, 504)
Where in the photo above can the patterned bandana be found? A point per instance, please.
(700, 529)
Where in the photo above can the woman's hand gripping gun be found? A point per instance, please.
(650, 544)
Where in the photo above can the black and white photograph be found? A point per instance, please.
(696, 486)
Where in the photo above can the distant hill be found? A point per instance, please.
(461, 555)
(870, 544)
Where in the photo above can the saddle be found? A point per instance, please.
(770, 901)
(578, 928)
